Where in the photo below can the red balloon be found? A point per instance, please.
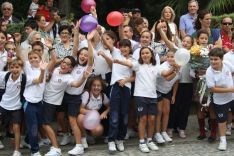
(114, 18)
(86, 5)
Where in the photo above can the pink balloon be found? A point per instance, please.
(91, 120)
(114, 18)
(87, 4)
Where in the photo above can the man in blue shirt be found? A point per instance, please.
(187, 21)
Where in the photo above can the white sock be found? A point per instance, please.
(164, 133)
(223, 138)
(158, 133)
(142, 140)
(149, 139)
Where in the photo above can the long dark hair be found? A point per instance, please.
(200, 16)
(157, 37)
(152, 60)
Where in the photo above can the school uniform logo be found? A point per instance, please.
(59, 80)
(140, 109)
(78, 72)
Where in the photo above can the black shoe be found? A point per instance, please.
(211, 139)
(201, 137)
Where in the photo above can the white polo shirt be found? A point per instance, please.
(119, 71)
(33, 93)
(101, 67)
(223, 79)
(11, 97)
(162, 84)
(77, 74)
(94, 103)
(145, 82)
(55, 88)
(136, 56)
(229, 56)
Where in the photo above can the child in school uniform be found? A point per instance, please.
(167, 85)
(53, 96)
(11, 103)
(120, 96)
(220, 83)
(33, 95)
(93, 99)
(72, 96)
(145, 95)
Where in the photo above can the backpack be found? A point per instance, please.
(22, 86)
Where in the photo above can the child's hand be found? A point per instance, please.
(87, 72)
(122, 82)
(49, 42)
(43, 65)
(116, 61)
(103, 116)
(93, 11)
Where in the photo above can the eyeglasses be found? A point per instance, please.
(67, 63)
(6, 8)
(226, 23)
(65, 33)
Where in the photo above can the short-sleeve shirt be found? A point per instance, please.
(145, 82)
(222, 79)
(11, 97)
(55, 88)
(163, 85)
(94, 103)
(187, 23)
(62, 52)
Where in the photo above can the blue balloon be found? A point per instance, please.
(88, 23)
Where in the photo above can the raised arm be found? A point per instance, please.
(90, 48)
(127, 63)
(76, 39)
(86, 74)
(43, 66)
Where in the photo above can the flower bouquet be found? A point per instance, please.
(199, 59)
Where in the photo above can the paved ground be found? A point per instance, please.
(179, 147)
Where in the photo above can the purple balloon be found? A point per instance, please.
(88, 23)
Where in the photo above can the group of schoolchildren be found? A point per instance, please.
(105, 75)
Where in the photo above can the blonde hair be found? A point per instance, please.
(17, 61)
(172, 13)
(35, 52)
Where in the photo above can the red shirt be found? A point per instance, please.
(226, 41)
(43, 11)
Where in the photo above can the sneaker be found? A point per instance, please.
(78, 149)
(36, 154)
(112, 147)
(182, 134)
(66, 139)
(84, 142)
(151, 145)
(143, 148)
(54, 152)
(170, 132)
(166, 137)
(159, 139)
(16, 153)
(24, 144)
(1, 145)
(44, 142)
(119, 145)
(222, 146)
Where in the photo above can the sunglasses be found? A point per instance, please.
(226, 23)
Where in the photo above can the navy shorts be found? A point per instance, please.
(146, 106)
(11, 116)
(221, 111)
(160, 96)
(48, 113)
(73, 103)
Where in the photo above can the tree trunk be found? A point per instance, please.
(65, 6)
